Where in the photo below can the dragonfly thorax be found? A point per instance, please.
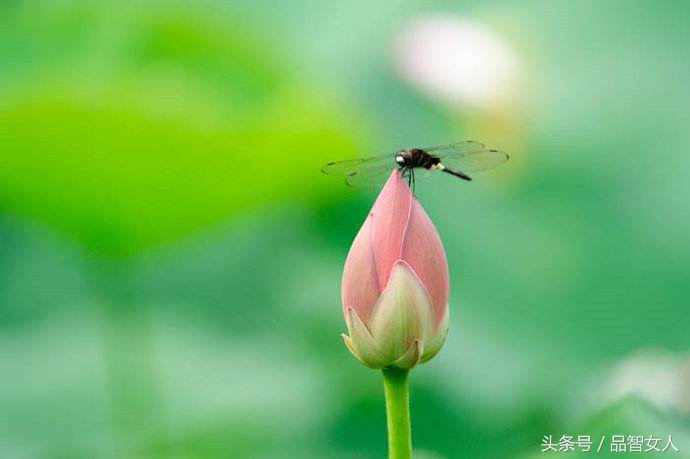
(415, 157)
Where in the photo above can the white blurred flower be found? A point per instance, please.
(660, 378)
(456, 60)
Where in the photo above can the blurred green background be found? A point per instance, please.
(170, 255)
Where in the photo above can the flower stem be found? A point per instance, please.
(398, 413)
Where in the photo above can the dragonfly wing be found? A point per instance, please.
(362, 172)
(464, 147)
(469, 156)
(348, 167)
(374, 177)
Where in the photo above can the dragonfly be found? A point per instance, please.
(456, 159)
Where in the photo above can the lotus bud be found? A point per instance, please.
(395, 283)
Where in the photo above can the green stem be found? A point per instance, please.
(398, 413)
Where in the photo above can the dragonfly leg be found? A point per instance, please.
(404, 173)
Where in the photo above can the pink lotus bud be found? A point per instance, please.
(395, 283)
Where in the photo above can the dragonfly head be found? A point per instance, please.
(400, 158)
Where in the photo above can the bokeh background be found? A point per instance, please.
(170, 255)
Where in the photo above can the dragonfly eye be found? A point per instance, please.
(400, 159)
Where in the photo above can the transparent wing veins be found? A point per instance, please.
(469, 156)
(370, 171)
(348, 167)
